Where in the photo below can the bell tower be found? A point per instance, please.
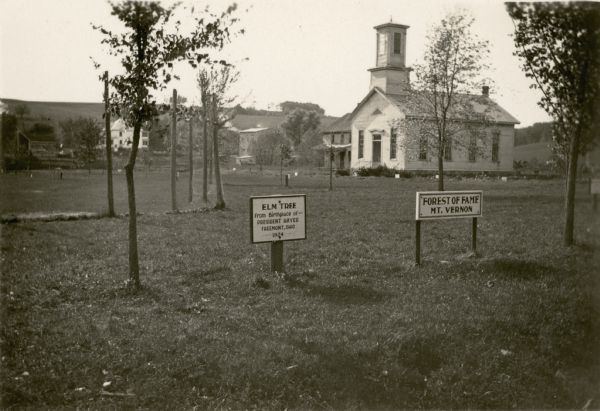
(390, 72)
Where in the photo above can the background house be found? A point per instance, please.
(337, 142)
(122, 136)
(247, 138)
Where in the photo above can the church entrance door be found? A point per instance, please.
(376, 148)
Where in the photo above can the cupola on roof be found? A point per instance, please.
(390, 73)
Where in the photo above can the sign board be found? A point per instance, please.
(278, 218)
(448, 204)
(595, 186)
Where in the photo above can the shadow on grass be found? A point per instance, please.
(520, 269)
(383, 376)
(512, 269)
(340, 293)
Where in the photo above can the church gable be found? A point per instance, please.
(374, 108)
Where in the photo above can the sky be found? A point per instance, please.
(315, 51)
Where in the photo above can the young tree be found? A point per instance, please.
(219, 78)
(285, 154)
(147, 53)
(560, 46)
(68, 129)
(453, 63)
(265, 148)
(190, 120)
(203, 85)
(21, 110)
(88, 135)
(298, 122)
(9, 132)
(310, 151)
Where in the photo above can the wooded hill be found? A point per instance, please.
(54, 112)
(537, 133)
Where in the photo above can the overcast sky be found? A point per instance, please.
(304, 50)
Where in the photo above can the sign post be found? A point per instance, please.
(275, 219)
(436, 205)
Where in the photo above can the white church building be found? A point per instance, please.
(375, 138)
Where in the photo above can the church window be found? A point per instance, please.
(423, 148)
(397, 42)
(496, 147)
(361, 142)
(472, 149)
(382, 43)
(448, 149)
(393, 138)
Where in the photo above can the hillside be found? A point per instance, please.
(537, 133)
(534, 152)
(52, 111)
(57, 111)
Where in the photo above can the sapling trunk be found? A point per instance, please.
(109, 177)
(215, 130)
(134, 268)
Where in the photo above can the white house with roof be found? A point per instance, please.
(247, 137)
(122, 136)
(376, 138)
(337, 144)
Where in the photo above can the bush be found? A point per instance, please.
(342, 172)
(379, 171)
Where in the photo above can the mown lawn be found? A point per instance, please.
(352, 324)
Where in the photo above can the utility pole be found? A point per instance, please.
(173, 153)
(191, 153)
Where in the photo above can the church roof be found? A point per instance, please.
(390, 24)
(254, 130)
(414, 104)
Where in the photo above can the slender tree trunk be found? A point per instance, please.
(109, 176)
(134, 268)
(210, 160)
(191, 150)
(441, 150)
(440, 170)
(331, 168)
(204, 156)
(215, 129)
(173, 152)
(571, 186)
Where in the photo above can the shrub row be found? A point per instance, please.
(383, 171)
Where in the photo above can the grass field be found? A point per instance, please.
(352, 324)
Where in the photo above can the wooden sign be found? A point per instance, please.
(432, 205)
(448, 204)
(278, 218)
